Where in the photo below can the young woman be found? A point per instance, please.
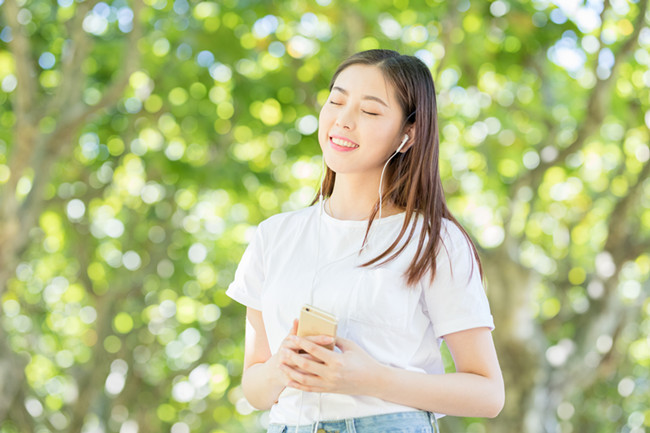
(380, 250)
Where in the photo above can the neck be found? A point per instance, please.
(354, 198)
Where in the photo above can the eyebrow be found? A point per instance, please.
(373, 98)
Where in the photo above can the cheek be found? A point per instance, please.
(325, 117)
(385, 131)
(322, 139)
(324, 125)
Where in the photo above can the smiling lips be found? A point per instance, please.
(342, 144)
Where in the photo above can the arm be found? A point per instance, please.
(260, 381)
(263, 381)
(476, 389)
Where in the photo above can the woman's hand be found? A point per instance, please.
(352, 371)
(290, 350)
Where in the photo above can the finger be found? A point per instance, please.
(315, 350)
(287, 357)
(345, 344)
(294, 368)
(305, 364)
(298, 386)
(297, 376)
(290, 358)
(321, 340)
(288, 343)
(311, 357)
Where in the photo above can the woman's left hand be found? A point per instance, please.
(352, 371)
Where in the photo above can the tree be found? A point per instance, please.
(45, 121)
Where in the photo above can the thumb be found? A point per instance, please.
(294, 328)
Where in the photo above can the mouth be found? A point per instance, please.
(342, 144)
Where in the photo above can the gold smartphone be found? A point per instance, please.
(314, 321)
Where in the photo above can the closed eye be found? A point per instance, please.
(366, 112)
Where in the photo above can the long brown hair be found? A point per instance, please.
(413, 176)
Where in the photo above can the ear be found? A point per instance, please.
(410, 130)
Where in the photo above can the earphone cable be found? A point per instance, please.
(318, 241)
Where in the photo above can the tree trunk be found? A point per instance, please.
(518, 339)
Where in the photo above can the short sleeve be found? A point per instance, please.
(456, 300)
(246, 288)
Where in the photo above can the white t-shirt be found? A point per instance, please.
(396, 325)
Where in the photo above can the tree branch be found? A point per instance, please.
(77, 50)
(614, 317)
(60, 140)
(638, 248)
(25, 96)
(23, 101)
(606, 5)
(90, 383)
(12, 374)
(20, 415)
(79, 113)
(608, 313)
(619, 232)
(551, 135)
(17, 220)
(595, 107)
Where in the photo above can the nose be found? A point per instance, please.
(345, 119)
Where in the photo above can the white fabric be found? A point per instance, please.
(396, 325)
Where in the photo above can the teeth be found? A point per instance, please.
(343, 142)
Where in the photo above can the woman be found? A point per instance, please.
(382, 253)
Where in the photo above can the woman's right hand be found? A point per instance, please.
(281, 357)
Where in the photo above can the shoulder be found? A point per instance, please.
(450, 235)
(453, 240)
(286, 220)
(450, 231)
(456, 256)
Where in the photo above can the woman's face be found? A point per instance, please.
(360, 125)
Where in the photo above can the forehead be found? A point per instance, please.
(365, 80)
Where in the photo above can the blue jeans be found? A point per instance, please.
(398, 422)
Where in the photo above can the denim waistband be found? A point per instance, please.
(402, 422)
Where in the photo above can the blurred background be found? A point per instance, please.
(141, 142)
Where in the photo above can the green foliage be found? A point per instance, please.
(117, 304)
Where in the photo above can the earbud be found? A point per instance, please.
(406, 137)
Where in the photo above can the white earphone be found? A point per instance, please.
(406, 137)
